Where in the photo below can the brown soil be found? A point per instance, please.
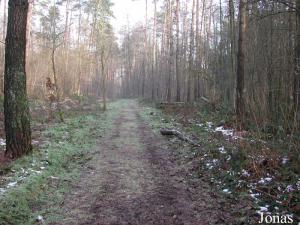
(133, 179)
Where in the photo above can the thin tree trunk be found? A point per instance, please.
(154, 68)
(191, 55)
(240, 104)
(170, 47)
(296, 94)
(103, 80)
(178, 85)
(232, 50)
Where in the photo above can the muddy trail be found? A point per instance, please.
(133, 179)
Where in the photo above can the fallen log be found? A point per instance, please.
(179, 135)
(162, 105)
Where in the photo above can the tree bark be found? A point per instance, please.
(191, 55)
(178, 85)
(297, 61)
(16, 108)
(240, 105)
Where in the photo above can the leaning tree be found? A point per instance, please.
(16, 109)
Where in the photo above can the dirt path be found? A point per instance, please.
(132, 180)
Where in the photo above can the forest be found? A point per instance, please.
(189, 116)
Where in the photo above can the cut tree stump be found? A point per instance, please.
(179, 135)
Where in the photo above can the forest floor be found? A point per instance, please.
(132, 179)
(115, 168)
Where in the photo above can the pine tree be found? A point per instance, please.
(16, 108)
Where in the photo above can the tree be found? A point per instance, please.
(240, 104)
(191, 55)
(16, 109)
(297, 61)
(178, 87)
(52, 32)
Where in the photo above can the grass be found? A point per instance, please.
(65, 149)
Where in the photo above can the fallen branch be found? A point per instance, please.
(179, 135)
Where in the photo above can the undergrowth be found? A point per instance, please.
(43, 177)
(262, 172)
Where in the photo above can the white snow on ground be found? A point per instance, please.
(265, 180)
(2, 190)
(245, 173)
(22, 174)
(255, 195)
(229, 133)
(225, 132)
(284, 160)
(2, 142)
(289, 188)
(35, 171)
(209, 124)
(263, 209)
(222, 150)
(298, 185)
(227, 191)
(11, 184)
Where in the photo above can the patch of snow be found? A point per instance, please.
(227, 191)
(284, 160)
(209, 166)
(215, 161)
(222, 150)
(255, 195)
(42, 167)
(228, 158)
(298, 185)
(209, 124)
(245, 173)
(279, 188)
(263, 209)
(40, 219)
(265, 180)
(2, 142)
(224, 131)
(11, 184)
(289, 188)
(2, 190)
(35, 171)
(200, 124)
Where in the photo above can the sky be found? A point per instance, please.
(133, 10)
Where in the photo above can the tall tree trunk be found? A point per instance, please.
(103, 73)
(191, 55)
(28, 35)
(170, 48)
(196, 75)
(297, 61)
(178, 85)
(16, 109)
(4, 19)
(240, 105)
(145, 66)
(154, 58)
(232, 51)
(80, 51)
